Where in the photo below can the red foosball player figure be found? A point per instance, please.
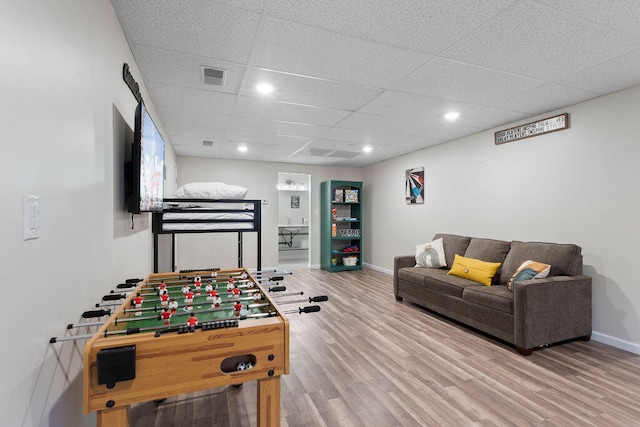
(237, 307)
(197, 283)
(188, 299)
(162, 286)
(230, 285)
(185, 289)
(236, 293)
(173, 306)
(164, 300)
(192, 321)
(216, 301)
(137, 301)
(208, 289)
(166, 316)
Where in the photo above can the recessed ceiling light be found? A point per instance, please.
(451, 115)
(367, 149)
(242, 148)
(264, 88)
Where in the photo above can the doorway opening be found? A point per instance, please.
(294, 219)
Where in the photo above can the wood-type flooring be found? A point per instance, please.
(368, 360)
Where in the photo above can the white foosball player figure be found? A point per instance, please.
(173, 306)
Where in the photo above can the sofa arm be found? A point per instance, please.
(550, 310)
(398, 263)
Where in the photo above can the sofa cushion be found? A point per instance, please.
(488, 250)
(453, 245)
(431, 254)
(435, 279)
(474, 269)
(529, 270)
(496, 297)
(565, 259)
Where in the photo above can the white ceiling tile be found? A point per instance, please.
(449, 79)
(192, 99)
(181, 69)
(301, 49)
(268, 127)
(272, 110)
(202, 132)
(358, 135)
(409, 105)
(611, 76)
(264, 139)
(304, 90)
(203, 119)
(197, 27)
(378, 123)
(617, 15)
(545, 98)
(529, 31)
(400, 24)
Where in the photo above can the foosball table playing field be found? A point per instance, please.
(178, 333)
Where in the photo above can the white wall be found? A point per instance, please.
(65, 117)
(261, 178)
(578, 185)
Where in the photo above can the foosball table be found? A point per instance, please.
(178, 333)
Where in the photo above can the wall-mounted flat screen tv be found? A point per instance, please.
(146, 174)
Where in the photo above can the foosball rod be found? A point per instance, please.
(307, 309)
(107, 302)
(320, 298)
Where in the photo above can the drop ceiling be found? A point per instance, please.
(354, 73)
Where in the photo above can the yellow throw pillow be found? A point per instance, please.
(474, 269)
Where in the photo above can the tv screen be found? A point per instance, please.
(147, 159)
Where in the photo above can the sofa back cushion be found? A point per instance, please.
(453, 245)
(565, 259)
(488, 250)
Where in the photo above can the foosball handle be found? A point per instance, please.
(95, 313)
(126, 285)
(309, 309)
(319, 298)
(113, 297)
(277, 288)
(276, 278)
(132, 281)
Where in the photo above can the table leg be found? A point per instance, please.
(114, 417)
(269, 402)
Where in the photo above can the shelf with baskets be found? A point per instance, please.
(340, 225)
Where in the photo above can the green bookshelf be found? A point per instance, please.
(340, 225)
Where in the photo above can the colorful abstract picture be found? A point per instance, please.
(414, 186)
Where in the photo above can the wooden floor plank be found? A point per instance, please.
(368, 360)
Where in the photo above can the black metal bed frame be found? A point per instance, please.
(256, 224)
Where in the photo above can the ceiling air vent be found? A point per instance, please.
(207, 143)
(214, 76)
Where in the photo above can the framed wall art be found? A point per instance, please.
(414, 186)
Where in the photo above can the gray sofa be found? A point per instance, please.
(534, 313)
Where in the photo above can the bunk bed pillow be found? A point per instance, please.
(210, 190)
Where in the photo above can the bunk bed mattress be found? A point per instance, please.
(219, 217)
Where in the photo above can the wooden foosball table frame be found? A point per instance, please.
(174, 363)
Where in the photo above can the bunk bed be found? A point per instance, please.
(198, 215)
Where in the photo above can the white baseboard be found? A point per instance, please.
(616, 342)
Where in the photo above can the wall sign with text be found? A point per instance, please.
(550, 124)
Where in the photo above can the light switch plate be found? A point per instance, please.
(30, 216)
